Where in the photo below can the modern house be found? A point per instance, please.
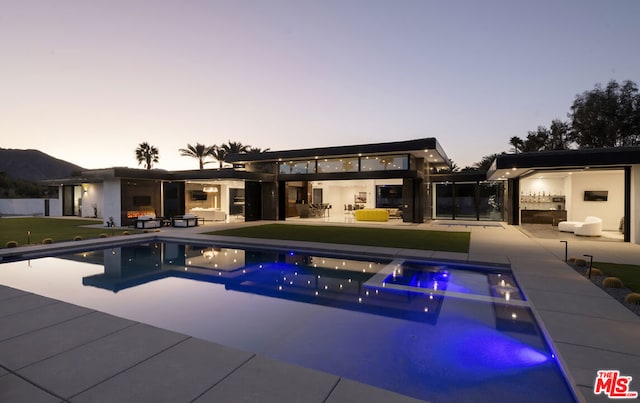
(411, 178)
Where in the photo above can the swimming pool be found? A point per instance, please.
(435, 331)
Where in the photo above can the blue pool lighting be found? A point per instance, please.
(433, 331)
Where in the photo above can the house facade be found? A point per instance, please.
(409, 178)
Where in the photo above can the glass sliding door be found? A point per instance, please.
(465, 201)
(444, 201)
(491, 201)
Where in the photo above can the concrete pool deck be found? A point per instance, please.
(54, 351)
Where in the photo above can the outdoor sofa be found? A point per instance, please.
(591, 226)
(148, 221)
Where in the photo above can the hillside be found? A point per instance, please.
(34, 165)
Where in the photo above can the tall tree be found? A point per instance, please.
(517, 144)
(230, 147)
(219, 154)
(147, 154)
(257, 150)
(235, 147)
(199, 151)
(556, 137)
(485, 163)
(606, 117)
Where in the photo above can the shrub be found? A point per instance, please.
(11, 244)
(47, 241)
(77, 238)
(632, 298)
(596, 272)
(103, 235)
(612, 282)
(580, 262)
(126, 233)
(572, 259)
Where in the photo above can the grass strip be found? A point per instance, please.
(628, 273)
(382, 237)
(58, 229)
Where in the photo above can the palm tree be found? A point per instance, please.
(147, 154)
(219, 154)
(517, 143)
(257, 150)
(199, 151)
(485, 163)
(235, 147)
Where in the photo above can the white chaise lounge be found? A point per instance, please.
(591, 226)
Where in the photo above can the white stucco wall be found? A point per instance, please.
(111, 200)
(30, 207)
(553, 186)
(92, 196)
(635, 205)
(610, 211)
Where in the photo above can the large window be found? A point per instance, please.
(444, 201)
(338, 165)
(346, 164)
(384, 163)
(469, 201)
(491, 200)
(389, 196)
(298, 167)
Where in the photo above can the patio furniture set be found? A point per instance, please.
(151, 221)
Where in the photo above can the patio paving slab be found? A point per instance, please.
(9, 292)
(265, 380)
(178, 374)
(602, 306)
(21, 351)
(77, 370)
(582, 361)
(34, 319)
(350, 391)
(599, 333)
(15, 389)
(23, 303)
(575, 286)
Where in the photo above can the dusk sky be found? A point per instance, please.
(87, 81)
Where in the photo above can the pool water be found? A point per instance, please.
(433, 331)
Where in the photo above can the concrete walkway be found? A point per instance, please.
(53, 351)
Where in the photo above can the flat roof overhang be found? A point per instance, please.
(509, 166)
(100, 175)
(427, 148)
(327, 176)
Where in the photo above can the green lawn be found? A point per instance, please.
(386, 237)
(628, 273)
(58, 229)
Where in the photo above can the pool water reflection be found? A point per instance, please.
(432, 331)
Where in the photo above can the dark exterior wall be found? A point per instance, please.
(132, 192)
(513, 202)
(252, 201)
(413, 193)
(269, 201)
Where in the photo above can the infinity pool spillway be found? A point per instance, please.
(433, 331)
